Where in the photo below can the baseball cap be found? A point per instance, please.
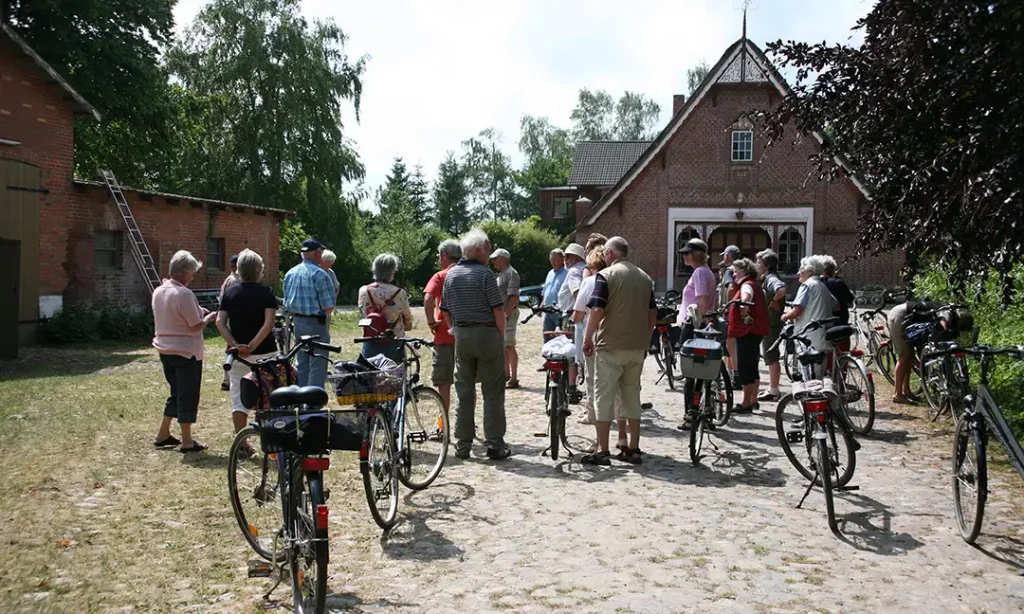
(733, 251)
(311, 245)
(234, 260)
(694, 245)
(500, 253)
(576, 250)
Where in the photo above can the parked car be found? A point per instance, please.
(531, 295)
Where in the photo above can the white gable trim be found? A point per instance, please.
(753, 56)
(796, 215)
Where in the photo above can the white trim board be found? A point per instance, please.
(796, 215)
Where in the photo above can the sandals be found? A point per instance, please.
(170, 442)
(633, 457)
(902, 400)
(597, 458)
(195, 447)
(512, 384)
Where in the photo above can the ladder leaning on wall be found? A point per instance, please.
(140, 253)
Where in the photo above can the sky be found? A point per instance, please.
(439, 71)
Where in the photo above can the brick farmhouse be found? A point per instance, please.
(65, 236)
(708, 175)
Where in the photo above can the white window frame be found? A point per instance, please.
(742, 146)
(567, 202)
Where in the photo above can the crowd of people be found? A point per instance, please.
(472, 311)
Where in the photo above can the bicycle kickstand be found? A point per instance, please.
(808, 491)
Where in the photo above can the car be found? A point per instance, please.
(531, 295)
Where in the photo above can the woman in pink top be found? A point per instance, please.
(701, 288)
(178, 323)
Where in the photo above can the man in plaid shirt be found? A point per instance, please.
(309, 297)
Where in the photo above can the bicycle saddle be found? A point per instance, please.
(837, 333)
(811, 357)
(294, 395)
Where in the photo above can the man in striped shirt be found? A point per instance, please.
(309, 296)
(474, 311)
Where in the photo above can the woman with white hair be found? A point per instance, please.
(813, 301)
(178, 323)
(245, 321)
(392, 302)
(326, 262)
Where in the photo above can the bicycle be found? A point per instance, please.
(294, 434)
(708, 387)
(852, 380)
(662, 348)
(817, 424)
(556, 390)
(407, 427)
(283, 331)
(945, 379)
(980, 415)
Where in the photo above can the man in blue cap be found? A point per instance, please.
(309, 297)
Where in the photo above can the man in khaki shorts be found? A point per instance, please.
(508, 286)
(443, 375)
(622, 315)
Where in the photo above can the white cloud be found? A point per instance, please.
(442, 70)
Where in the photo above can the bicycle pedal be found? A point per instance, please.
(848, 488)
(540, 434)
(794, 436)
(260, 569)
(418, 437)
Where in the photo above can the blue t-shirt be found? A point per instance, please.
(552, 284)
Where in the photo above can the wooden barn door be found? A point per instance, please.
(19, 232)
(10, 256)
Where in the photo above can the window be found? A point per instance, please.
(561, 208)
(742, 145)
(108, 249)
(682, 236)
(215, 254)
(791, 250)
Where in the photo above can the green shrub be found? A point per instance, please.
(75, 323)
(529, 246)
(998, 326)
(79, 322)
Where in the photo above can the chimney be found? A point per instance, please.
(677, 102)
(582, 207)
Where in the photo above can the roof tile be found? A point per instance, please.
(603, 163)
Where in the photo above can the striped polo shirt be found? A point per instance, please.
(471, 293)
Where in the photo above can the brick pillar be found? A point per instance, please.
(677, 103)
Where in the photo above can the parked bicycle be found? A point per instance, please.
(407, 427)
(828, 458)
(661, 339)
(283, 331)
(556, 389)
(276, 464)
(707, 388)
(945, 379)
(981, 415)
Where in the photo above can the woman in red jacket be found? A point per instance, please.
(748, 325)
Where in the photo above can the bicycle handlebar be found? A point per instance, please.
(309, 343)
(979, 350)
(721, 310)
(810, 326)
(543, 309)
(390, 336)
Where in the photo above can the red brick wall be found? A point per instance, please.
(697, 172)
(166, 227)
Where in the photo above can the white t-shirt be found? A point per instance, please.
(573, 278)
(747, 293)
(586, 291)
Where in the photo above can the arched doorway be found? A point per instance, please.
(750, 240)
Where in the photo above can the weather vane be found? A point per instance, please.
(745, 6)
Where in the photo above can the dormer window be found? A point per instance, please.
(742, 145)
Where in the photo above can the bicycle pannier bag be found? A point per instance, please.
(309, 433)
(701, 359)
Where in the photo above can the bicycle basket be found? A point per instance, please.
(357, 384)
(309, 433)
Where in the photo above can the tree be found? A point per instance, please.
(549, 152)
(401, 233)
(451, 197)
(419, 195)
(108, 51)
(489, 173)
(394, 194)
(928, 112)
(696, 75)
(597, 117)
(271, 86)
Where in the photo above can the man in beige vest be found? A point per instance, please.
(622, 313)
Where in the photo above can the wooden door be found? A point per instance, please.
(10, 284)
(19, 223)
(750, 240)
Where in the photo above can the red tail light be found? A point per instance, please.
(364, 450)
(662, 329)
(555, 365)
(880, 328)
(316, 464)
(871, 378)
(321, 517)
(696, 399)
(857, 353)
(700, 351)
(959, 354)
(818, 408)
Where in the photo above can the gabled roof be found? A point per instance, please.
(81, 106)
(742, 62)
(196, 199)
(603, 163)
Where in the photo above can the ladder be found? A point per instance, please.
(140, 253)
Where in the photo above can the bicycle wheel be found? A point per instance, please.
(427, 436)
(885, 360)
(253, 487)
(699, 423)
(858, 395)
(379, 471)
(796, 435)
(933, 382)
(556, 418)
(721, 390)
(308, 558)
(970, 478)
(825, 477)
(668, 360)
(792, 366)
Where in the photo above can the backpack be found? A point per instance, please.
(379, 324)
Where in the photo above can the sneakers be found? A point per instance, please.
(499, 453)
(630, 456)
(462, 454)
(769, 396)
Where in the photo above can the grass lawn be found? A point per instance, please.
(94, 519)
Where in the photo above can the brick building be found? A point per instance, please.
(65, 236)
(708, 175)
